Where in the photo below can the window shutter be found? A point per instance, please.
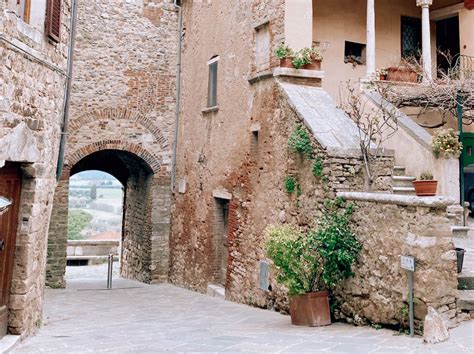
(53, 19)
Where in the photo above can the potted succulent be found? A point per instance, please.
(425, 186)
(311, 264)
(308, 59)
(285, 54)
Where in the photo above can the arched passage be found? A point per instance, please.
(145, 231)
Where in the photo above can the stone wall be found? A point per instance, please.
(239, 152)
(123, 101)
(390, 226)
(32, 72)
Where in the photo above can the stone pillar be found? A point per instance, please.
(370, 38)
(426, 38)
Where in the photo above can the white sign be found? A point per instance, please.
(408, 263)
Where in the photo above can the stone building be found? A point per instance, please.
(200, 223)
(33, 70)
(238, 111)
(122, 122)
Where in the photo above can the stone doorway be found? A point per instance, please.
(10, 188)
(221, 230)
(145, 227)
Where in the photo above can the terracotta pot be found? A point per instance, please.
(425, 188)
(315, 65)
(402, 74)
(310, 309)
(287, 63)
(383, 77)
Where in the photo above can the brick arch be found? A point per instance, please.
(152, 160)
(118, 113)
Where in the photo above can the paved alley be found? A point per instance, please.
(138, 318)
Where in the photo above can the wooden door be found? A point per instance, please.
(10, 185)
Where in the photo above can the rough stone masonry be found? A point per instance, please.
(32, 79)
(122, 122)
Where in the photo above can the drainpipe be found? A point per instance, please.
(67, 89)
(177, 4)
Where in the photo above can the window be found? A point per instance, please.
(24, 9)
(262, 48)
(354, 53)
(53, 20)
(212, 86)
(411, 37)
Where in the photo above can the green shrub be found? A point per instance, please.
(317, 168)
(300, 142)
(318, 260)
(77, 221)
(283, 51)
(290, 184)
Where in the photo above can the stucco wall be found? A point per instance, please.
(335, 22)
(466, 25)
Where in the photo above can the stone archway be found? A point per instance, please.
(145, 246)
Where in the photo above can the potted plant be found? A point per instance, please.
(308, 59)
(446, 143)
(285, 54)
(382, 74)
(311, 264)
(460, 258)
(425, 186)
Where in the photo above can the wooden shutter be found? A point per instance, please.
(53, 19)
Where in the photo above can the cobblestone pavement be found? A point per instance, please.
(138, 318)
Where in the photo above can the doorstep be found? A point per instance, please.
(216, 291)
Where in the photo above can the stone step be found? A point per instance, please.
(466, 280)
(403, 190)
(398, 170)
(403, 181)
(466, 300)
(216, 291)
(460, 231)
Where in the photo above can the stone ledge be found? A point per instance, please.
(302, 73)
(384, 198)
(93, 242)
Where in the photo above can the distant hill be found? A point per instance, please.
(93, 175)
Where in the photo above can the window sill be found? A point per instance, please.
(210, 109)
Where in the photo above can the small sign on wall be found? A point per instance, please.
(264, 275)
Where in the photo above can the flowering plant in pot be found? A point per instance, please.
(285, 54)
(310, 264)
(308, 59)
(425, 186)
(446, 143)
(382, 74)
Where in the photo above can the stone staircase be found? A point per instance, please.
(401, 183)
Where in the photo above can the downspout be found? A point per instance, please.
(67, 89)
(178, 93)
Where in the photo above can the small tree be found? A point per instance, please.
(375, 124)
(93, 192)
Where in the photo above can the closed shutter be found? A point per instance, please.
(53, 19)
